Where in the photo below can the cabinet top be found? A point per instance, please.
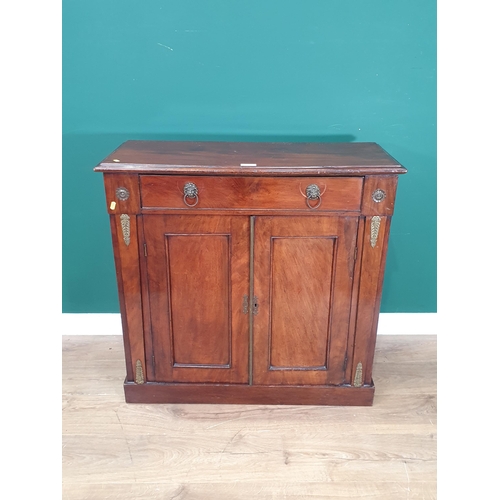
(250, 158)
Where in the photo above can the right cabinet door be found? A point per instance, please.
(303, 277)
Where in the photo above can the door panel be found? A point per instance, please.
(303, 273)
(197, 271)
(300, 313)
(198, 266)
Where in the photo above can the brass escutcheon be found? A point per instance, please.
(378, 195)
(122, 193)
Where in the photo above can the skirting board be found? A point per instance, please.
(388, 324)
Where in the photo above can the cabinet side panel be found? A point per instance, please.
(124, 231)
(121, 297)
(198, 273)
(302, 271)
(354, 301)
(370, 291)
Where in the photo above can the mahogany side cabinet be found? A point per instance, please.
(249, 272)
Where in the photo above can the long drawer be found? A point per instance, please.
(283, 193)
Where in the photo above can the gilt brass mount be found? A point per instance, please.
(125, 222)
(358, 377)
(374, 229)
(139, 373)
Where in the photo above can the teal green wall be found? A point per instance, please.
(315, 70)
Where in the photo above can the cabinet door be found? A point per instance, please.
(197, 277)
(303, 274)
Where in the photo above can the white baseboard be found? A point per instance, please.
(91, 324)
(389, 324)
(408, 324)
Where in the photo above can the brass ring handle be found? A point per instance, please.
(313, 193)
(190, 191)
(192, 205)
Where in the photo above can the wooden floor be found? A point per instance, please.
(114, 450)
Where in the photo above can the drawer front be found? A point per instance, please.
(284, 193)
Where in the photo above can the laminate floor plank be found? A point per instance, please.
(393, 349)
(243, 491)
(392, 414)
(116, 450)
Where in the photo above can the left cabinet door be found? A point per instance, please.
(197, 272)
